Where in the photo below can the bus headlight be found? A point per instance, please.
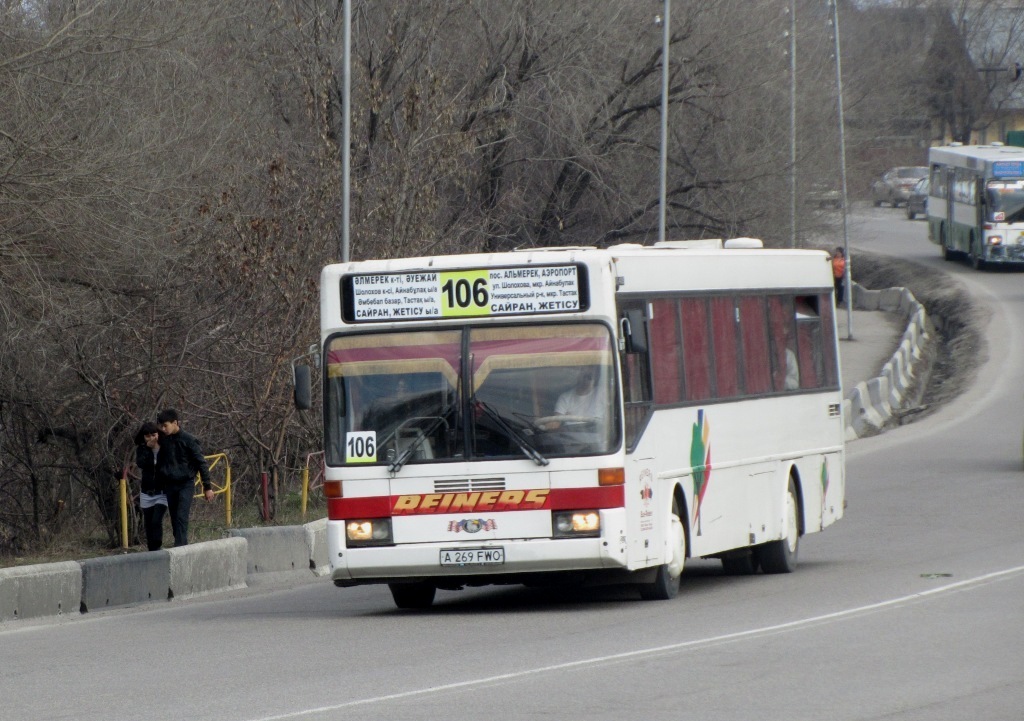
(370, 532)
(576, 524)
(995, 240)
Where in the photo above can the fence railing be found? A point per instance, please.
(312, 478)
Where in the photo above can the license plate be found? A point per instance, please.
(472, 556)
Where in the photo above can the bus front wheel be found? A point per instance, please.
(413, 595)
(780, 556)
(977, 256)
(666, 583)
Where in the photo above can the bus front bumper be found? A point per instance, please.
(1005, 254)
(501, 560)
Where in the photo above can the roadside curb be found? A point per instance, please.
(75, 587)
(46, 589)
(871, 406)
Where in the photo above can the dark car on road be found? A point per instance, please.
(917, 203)
(895, 186)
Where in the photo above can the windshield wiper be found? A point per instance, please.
(396, 465)
(1015, 217)
(532, 453)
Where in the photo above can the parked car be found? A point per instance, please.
(917, 203)
(825, 196)
(895, 186)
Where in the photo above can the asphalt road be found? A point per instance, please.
(911, 608)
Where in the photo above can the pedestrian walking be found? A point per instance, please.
(839, 274)
(181, 459)
(152, 498)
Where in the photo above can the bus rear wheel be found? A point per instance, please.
(780, 556)
(666, 583)
(947, 252)
(413, 595)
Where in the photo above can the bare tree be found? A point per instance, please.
(170, 188)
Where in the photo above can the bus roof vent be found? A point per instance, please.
(625, 246)
(684, 244)
(955, 144)
(552, 248)
(744, 243)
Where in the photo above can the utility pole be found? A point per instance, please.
(663, 165)
(792, 123)
(346, 142)
(842, 170)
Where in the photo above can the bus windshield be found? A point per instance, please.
(527, 391)
(1006, 200)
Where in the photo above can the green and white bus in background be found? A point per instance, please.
(976, 203)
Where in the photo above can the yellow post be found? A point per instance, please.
(227, 493)
(213, 460)
(124, 509)
(305, 488)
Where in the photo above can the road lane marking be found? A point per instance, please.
(684, 645)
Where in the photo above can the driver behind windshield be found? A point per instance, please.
(583, 399)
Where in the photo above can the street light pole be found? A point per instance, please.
(346, 144)
(842, 172)
(792, 122)
(663, 190)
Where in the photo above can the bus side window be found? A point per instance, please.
(666, 352)
(808, 340)
(696, 349)
(782, 332)
(830, 362)
(636, 374)
(723, 325)
(754, 337)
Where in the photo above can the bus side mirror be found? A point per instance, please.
(634, 330)
(303, 385)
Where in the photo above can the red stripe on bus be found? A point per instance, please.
(555, 499)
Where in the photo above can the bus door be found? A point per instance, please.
(948, 185)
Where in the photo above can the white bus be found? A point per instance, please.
(578, 415)
(976, 203)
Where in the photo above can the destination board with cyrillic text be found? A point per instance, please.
(463, 293)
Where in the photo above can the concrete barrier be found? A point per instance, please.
(316, 540)
(125, 580)
(199, 569)
(207, 567)
(862, 418)
(871, 405)
(279, 548)
(47, 589)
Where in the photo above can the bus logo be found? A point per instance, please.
(824, 485)
(472, 525)
(646, 492)
(474, 502)
(700, 461)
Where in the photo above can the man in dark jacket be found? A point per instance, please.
(181, 458)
